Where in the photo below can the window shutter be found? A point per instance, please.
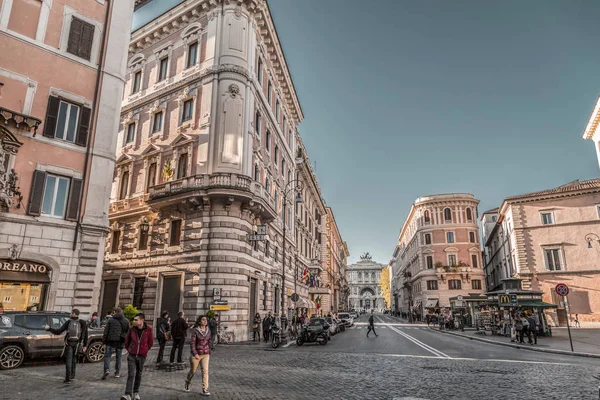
(83, 129)
(51, 116)
(74, 199)
(36, 195)
(74, 36)
(87, 38)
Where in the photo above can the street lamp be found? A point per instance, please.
(286, 192)
(144, 226)
(591, 237)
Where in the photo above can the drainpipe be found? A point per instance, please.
(93, 117)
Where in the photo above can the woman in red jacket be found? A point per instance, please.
(200, 347)
(138, 341)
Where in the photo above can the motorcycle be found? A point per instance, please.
(310, 337)
(276, 340)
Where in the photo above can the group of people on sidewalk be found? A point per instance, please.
(269, 324)
(523, 325)
(137, 340)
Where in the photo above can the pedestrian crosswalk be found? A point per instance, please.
(384, 327)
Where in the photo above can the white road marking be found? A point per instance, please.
(418, 342)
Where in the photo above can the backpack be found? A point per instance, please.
(519, 325)
(74, 331)
(124, 330)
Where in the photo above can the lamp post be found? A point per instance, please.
(286, 191)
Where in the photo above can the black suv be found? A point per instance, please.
(22, 335)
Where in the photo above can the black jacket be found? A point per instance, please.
(115, 330)
(161, 328)
(179, 328)
(371, 320)
(84, 330)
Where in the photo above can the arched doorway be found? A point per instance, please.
(367, 298)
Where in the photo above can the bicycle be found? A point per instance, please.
(224, 336)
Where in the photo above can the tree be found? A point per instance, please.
(130, 312)
(384, 284)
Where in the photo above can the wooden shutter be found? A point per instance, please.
(36, 195)
(51, 116)
(84, 127)
(74, 199)
(75, 36)
(87, 38)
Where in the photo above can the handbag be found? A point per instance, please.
(167, 336)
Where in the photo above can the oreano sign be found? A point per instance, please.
(23, 266)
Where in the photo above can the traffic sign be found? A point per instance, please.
(257, 238)
(561, 289)
(215, 307)
(295, 297)
(261, 229)
(220, 302)
(459, 298)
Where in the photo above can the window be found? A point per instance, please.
(35, 322)
(276, 156)
(276, 254)
(283, 167)
(449, 237)
(452, 259)
(429, 262)
(116, 238)
(269, 90)
(447, 215)
(175, 237)
(494, 218)
(182, 166)
(259, 71)
(268, 141)
(130, 133)
(547, 219)
(138, 292)
(266, 248)
(151, 181)
(432, 285)
(56, 192)
(476, 284)
(428, 238)
(472, 237)
(257, 123)
(137, 82)
(187, 110)
(277, 110)
(553, 260)
(256, 173)
(427, 216)
(598, 210)
(81, 37)
(7, 299)
(469, 214)
(124, 185)
(192, 55)
(157, 123)
(143, 240)
(163, 69)
(454, 284)
(474, 261)
(283, 129)
(66, 123)
(268, 186)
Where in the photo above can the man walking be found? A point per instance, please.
(372, 325)
(179, 329)
(137, 342)
(213, 326)
(533, 329)
(267, 327)
(77, 335)
(163, 334)
(114, 337)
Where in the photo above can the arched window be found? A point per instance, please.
(124, 185)
(372, 276)
(182, 166)
(268, 186)
(469, 214)
(428, 238)
(256, 173)
(447, 215)
(427, 217)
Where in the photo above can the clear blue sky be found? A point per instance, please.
(408, 98)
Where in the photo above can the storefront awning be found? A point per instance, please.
(305, 303)
(432, 303)
(536, 304)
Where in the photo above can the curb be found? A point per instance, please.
(516, 346)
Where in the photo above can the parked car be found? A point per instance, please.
(353, 314)
(340, 327)
(22, 335)
(333, 326)
(317, 324)
(346, 319)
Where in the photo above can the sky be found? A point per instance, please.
(404, 99)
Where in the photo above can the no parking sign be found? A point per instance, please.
(561, 289)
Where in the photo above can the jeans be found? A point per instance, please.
(161, 350)
(118, 349)
(178, 343)
(213, 340)
(135, 368)
(521, 333)
(203, 361)
(255, 333)
(71, 359)
(371, 328)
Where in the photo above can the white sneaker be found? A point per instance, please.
(136, 396)
(126, 397)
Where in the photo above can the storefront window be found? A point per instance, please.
(21, 296)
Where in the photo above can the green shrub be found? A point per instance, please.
(210, 314)
(130, 312)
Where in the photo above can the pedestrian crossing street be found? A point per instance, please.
(387, 327)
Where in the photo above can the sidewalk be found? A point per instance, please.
(586, 341)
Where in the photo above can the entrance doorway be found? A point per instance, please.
(253, 310)
(109, 299)
(171, 295)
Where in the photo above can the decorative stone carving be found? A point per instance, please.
(233, 90)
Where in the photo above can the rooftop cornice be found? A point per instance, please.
(592, 124)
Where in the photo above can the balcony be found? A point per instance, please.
(319, 290)
(129, 205)
(224, 185)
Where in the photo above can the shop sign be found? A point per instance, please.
(23, 266)
(507, 300)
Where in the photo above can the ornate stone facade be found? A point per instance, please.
(363, 278)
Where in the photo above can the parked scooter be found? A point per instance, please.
(311, 336)
(276, 339)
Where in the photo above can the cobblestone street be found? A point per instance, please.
(351, 366)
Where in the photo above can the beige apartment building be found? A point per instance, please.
(438, 255)
(546, 238)
(208, 154)
(61, 83)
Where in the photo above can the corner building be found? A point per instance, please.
(206, 150)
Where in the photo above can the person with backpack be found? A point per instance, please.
(179, 329)
(115, 332)
(76, 335)
(138, 342)
(372, 325)
(163, 334)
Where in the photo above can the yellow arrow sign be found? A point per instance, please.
(219, 308)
